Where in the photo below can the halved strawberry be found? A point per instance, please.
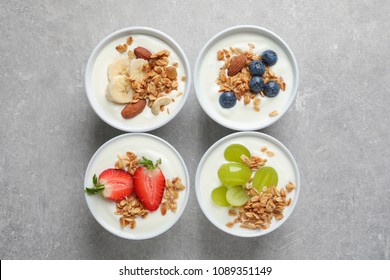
(113, 184)
(149, 184)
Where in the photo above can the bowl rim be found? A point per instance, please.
(140, 30)
(232, 30)
(178, 214)
(235, 135)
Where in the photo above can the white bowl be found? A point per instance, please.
(206, 71)
(153, 148)
(207, 178)
(96, 78)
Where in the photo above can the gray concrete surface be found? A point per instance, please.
(337, 129)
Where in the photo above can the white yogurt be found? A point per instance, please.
(152, 148)
(244, 117)
(100, 81)
(207, 180)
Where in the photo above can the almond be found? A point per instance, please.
(133, 109)
(143, 53)
(236, 65)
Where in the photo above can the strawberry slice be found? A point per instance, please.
(149, 184)
(113, 184)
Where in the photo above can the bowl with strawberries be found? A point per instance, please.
(136, 186)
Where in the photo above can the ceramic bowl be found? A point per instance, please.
(153, 148)
(243, 117)
(96, 80)
(207, 178)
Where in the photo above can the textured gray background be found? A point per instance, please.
(337, 128)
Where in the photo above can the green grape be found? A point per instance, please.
(234, 151)
(236, 196)
(234, 174)
(219, 196)
(265, 176)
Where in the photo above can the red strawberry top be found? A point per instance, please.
(149, 183)
(113, 184)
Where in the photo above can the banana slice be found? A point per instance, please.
(135, 70)
(119, 90)
(119, 66)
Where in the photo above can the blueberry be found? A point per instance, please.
(227, 99)
(257, 68)
(256, 84)
(271, 89)
(269, 57)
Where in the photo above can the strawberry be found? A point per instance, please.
(149, 184)
(113, 184)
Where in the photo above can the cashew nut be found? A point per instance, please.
(161, 101)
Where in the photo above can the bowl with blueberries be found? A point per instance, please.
(246, 77)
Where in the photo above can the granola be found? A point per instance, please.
(254, 162)
(273, 114)
(172, 189)
(261, 208)
(239, 83)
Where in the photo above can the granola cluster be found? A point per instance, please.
(254, 162)
(161, 79)
(172, 189)
(128, 162)
(130, 208)
(262, 207)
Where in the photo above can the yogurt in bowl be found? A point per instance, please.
(253, 110)
(110, 89)
(265, 153)
(125, 218)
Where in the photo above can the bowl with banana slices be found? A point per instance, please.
(137, 79)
